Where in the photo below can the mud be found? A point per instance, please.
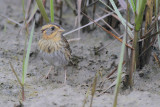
(91, 54)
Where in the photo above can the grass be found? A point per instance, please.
(25, 64)
(27, 54)
(119, 72)
(42, 10)
(138, 8)
(139, 47)
(94, 88)
(52, 11)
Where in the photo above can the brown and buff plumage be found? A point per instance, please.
(54, 47)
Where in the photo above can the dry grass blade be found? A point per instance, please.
(109, 26)
(114, 70)
(123, 4)
(104, 16)
(147, 47)
(93, 89)
(115, 16)
(12, 20)
(85, 100)
(158, 17)
(79, 13)
(156, 58)
(148, 22)
(15, 74)
(144, 37)
(126, 57)
(74, 39)
(60, 12)
(28, 8)
(32, 14)
(22, 86)
(122, 20)
(147, 33)
(107, 31)
(105, 46)
(112, 85)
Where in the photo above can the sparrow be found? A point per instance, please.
(54, 47)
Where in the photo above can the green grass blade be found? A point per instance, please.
(129, 24)
(133, 5)
(119, 72)
(123, 21)
(42, 10)
(27, 54)
(139, 17)
(52, 11)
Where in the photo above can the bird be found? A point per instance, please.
(54, 47)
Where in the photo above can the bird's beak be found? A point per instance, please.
(42, 30)
(61, 29)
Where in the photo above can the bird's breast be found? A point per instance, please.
(53, 52)
(49, 46)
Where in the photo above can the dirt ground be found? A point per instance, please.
(52, 92)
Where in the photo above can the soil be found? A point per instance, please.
(52, 92)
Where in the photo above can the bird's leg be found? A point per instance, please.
(65, 75)
(49, 72)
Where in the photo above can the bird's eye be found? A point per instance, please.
(52, 28)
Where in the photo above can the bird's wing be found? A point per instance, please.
(66, 44)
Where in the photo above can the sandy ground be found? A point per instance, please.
(52, 92)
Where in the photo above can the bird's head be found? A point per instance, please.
(52, 31)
